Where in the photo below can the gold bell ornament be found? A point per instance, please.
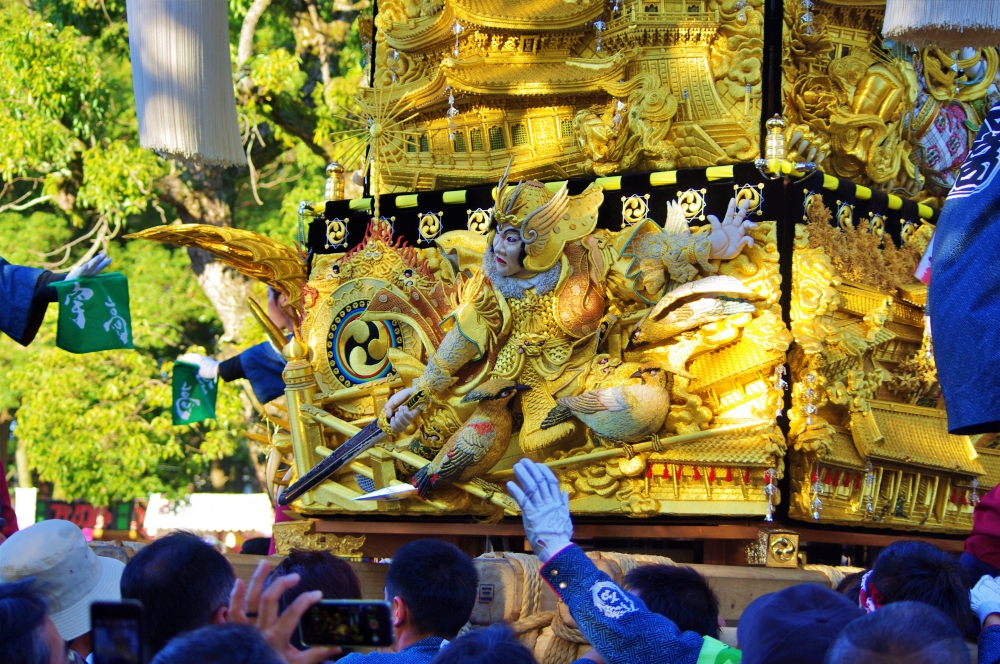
(947, 24)
(183, 80)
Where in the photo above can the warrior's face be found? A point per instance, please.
(508, 252)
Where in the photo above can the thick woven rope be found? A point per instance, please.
(948, 24)
(183, 81)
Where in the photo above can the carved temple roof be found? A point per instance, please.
(527, 15)
(493, 76)
(912, 435)
(733, 450)
(541, 78)
(520, 16)
(843, 452)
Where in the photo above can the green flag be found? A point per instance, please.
(94, 314)
(194, 396)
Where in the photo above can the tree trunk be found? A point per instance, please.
(226, 289)
(207, 203)
(24, 480)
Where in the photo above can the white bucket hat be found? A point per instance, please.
(68, 573)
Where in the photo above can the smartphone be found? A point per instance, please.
(116, 632)
(347, 622)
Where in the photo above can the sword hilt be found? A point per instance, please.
(418, 398)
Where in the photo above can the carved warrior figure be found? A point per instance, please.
(536, 306)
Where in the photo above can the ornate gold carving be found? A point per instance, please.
(290, 535)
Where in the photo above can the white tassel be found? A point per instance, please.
(183, 81)
(947, 24)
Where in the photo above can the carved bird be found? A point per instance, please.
(479, 444)
(623, 415)
(692, 305)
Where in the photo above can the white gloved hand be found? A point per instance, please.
(91, 267)
(544, 508)
(207, 367)
(985, 597)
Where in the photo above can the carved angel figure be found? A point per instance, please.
(536, 301)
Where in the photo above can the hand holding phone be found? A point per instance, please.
(116, 630)
(347, 622)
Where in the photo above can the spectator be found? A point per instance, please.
(256, 546)
(259, 607)
(219, 644)
(432, 587)
(27, 635)
(909, 632)
(982, 548)
(796, 625)
(318, 570)
(68, 574)
(619, 625)
(492, 645)
(183, 584)
(919, 572)
(679, 593)
(850, 586)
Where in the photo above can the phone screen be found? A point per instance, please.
(116, 630)
(343, 622)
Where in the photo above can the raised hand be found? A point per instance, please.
(985, 598)
(544, 508)
(91, 267)
(258, 607)
(728, 237)
(207, 367)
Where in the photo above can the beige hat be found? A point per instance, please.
(69, 574)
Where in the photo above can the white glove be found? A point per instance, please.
(91, 267)
(207, 367)
(985, 597)
(544, 508)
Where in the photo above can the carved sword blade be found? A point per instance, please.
(390, 493)
(362, 441)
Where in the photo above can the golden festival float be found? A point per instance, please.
(661, 354)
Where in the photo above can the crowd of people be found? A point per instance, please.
(916, 603)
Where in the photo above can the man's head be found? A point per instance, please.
(183, 584)
(901, 632)
(495, 644)
(920, 572)
(219, 644)
(68, 574)
(27, 635)
(276, 303)
(796, 625)
(432, 587)
(317, 570)
(678, 593)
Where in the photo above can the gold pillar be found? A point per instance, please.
(300, 389)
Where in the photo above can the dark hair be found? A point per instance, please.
(181, 582)
(495, 644)
(678, 593)
(850, 586)
(910, 632)
(438, 584)
(317, 570)
(256, 546)
(920, 572)
(219, 644)
(22, 610)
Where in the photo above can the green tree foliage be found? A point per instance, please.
(73, 179)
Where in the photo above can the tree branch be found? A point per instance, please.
(245, 50)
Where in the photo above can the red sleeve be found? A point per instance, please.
(6, 511)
